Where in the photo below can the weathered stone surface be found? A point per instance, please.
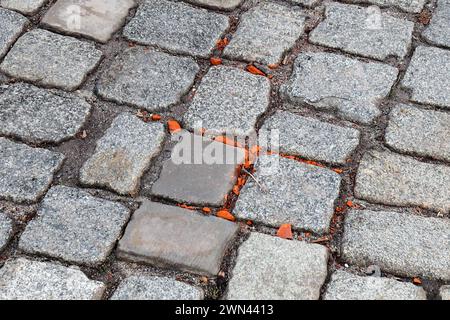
(271, 268)
(23, 279)
(402, 244)
(218, 4)
(74, 226)
(37, 115)
(393, 179)
(347, 86)
(148, 79)
(414, 6)
(419, 131)
(13, 24)
(5, 230)
(123, 154)
(28, 7)
(278, 25)
(51, 60)
(349, 28)
(25, 172)
(311, 138)
(438, 32)
(346, 286)
(176, 27)
(444, 292)
(155, 288)
(289, 192)
(307, 3)
(96, 19)
(163, 235)
(228, 100)
(427, 76)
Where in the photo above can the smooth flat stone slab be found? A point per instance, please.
(400, 243)
(444, 292)
(5, 230)
(218, 4)
(393, 179)
(74, 226)
(271, 268)
(438, 32)
(147, 79)
(413, 6)
(27, 7)
(169, 236)
(13, 24)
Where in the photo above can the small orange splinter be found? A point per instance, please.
(225, 214)
(174, 126)
(254, 70)
(156, 117)
(215, 61)
(285, 231)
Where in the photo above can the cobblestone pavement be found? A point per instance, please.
(98, 97)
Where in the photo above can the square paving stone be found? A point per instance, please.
(155, 288)
(218, 4)
(400, 243)
(96, 19)
(37, 115)
(393, 179)
(289, 191)
(346, 27)
(413, 6)
(346, 286)
(438, 32)
(51, 60)
(228, 100)
(427, 76)
(13, 24)
(177, 27)
(25, 172)
(169, 236)
(74, 226)
(123, 154)
(444, 292)
(23, 279)
(350, 87)
(5, 230)
(311, 138)
(418, 131)
(271, 268)
(27, 7)
(200, 171)
(148, 79)
(268, 23)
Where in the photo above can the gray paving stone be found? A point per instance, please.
(311, 138)
(346, 27)
(334, 82)
(23, 279)
(307, 3)
(51, 60)
(268, 23)
(400, 243)
(74, 226)
(155, 288)
(25, 172)
(289, 192)
(169, 236)
(218, 4)
(192, 176)
(177, 27)
(5, 230)
(346, 286)
(271, 268)
(419, 131)
(123, 154)
(427, 76)
(228, 100)
(148, 79)
(28, 7)
(13, 24)
(393, 179)
(414, 6)
(438, 32)
(37, 115)
(444, 292)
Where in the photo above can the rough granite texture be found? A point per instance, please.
(27, 7)
(13, 24)
(444, 292)
(218, 4)
(438, 32)
(5, 230)
(306, 3)
(413, 6)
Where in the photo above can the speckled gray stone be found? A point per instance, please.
(148, 79)
(218, 4)
(155, 288)
(427, 76)
(25, 172)
(23, 279)
(271, 268)
(5, 230)
(13, 24)
(74, 226)
(292, 192)
(306, 3)
(37, 115)
(346, 27)
(419, 131)
(414, 6)
(334, 82)
(311, 138)
(444, 292)
(228, 100)
(393, 179)
(123, 154)
(168, 236)
(51, 60)
(272, 23)
(346, 286)
(177, 27)
(28, 7)
(438, 32)
(400, 243)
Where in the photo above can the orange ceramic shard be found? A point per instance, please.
(215, 61)
(225, 214)
(174, 126)
(285, 231)
(254, 70)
